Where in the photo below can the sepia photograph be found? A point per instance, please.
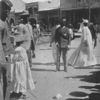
(49, 49)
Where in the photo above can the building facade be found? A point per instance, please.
(75, 10)
(72, 10)
(33, 10)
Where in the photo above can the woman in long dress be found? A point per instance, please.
(83, 56)
(20, 76)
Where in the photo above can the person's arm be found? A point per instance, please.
(57, 36)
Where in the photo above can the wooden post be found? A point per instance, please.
(48, 21)
(60, 13)
(89, 10)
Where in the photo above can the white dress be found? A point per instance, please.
(20, 74)
(83, 56)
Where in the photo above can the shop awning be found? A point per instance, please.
(49, 5)
(18, 6)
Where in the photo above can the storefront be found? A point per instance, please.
(72, 10)
(48, 18)
(75, 10)
(48, 13)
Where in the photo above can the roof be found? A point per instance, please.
(49, 5)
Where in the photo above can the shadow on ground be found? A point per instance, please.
(46, 64)
(95, 90)
(39, 69)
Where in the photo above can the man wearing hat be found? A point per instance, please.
(62, 40)
(83, 56)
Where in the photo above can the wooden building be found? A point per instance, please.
(33, 10)
(72, 10)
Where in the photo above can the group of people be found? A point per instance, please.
(61, 39)
(15, 72)
(15, 58)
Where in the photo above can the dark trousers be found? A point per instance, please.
(63, 52)
(4, 79)
(29, 54)
(95, 42)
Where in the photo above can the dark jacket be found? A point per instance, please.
(62, 37)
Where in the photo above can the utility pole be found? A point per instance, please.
(89, 10)
(60, 11)
(48, 21)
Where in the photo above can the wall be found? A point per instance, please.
(33, 9)
(79, 4)
(67, 4)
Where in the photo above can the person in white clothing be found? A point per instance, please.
(83, 56)
(20, 76)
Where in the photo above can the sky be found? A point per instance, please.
(28, 1)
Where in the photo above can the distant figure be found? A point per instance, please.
(80, 28)
(38, 28)
(35, 34)
(30, 28)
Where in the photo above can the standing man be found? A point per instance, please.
(3, 67)
(5, 45)
(62, 39)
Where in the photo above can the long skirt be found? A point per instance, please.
(20, 73)
(82, 57)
